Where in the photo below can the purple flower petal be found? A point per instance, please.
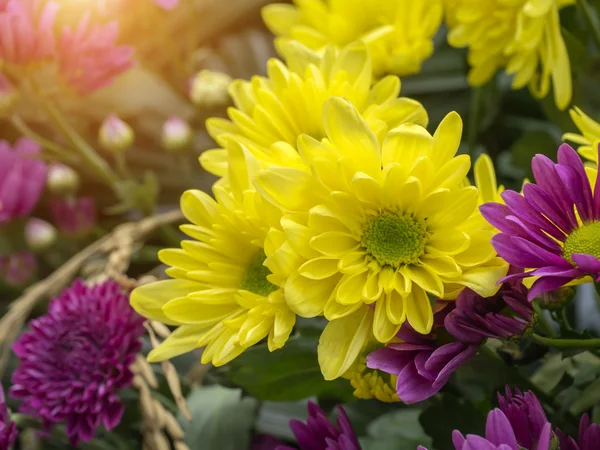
(588, 263)
(499, 431)
(412, 387)
(546, 284)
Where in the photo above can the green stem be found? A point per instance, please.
(566, 343)
(476, 97)
(542, 320)
(122, 166)
(87, 152)
(585, 9)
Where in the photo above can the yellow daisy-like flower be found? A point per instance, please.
(378, 225)
(289, 102)
(521, 36)
(221, 296)
(399, 33)
(590, 134)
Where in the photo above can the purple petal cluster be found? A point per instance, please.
(8, 429)
(506, 315)
(526, 416)
(318, 433)
(424, 364)
(540, 229)
(22, 179)
(76, 358)
(589, 436)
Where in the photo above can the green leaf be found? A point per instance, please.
(448, 414)
(291, 373)
(274, 417)
(531, 143)
(397, 430)
(589, 397)
(550, 373)
(221, 419)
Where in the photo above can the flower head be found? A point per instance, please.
(17, 269)
(89, 56)
(273, 111)
(319, 434)
(76, 358)
(526, 416)
(223, 296)
(590, 133)
(521, 36)
(167, 5)
(27, 30)
(398, 33)
(74, 216)
(22, 179)
(209, 89)
(62, 180)
(378, 223)
(115, 135)
(589, 436)
(39, 234)
(8, 429)
(177, 134)
(505, 315)
(552, 228)
(422, 364)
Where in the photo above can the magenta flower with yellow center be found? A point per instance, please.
(553, 228)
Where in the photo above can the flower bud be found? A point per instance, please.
(39, 235)
(177, 135)
(210, 89)
(74, 217)
(16, 269)
(62, 180)
(115, 135)
(556, 299)
(8, 95)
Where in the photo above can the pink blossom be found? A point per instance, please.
(167, 4)
(27, 30)
(74, 216)
(89, 56)
(22, 179)
(16, 269)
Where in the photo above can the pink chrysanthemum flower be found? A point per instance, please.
(22, 179)
(76, 358)
(74, 216)
(553, 228)
(89, 56)
(27, 30)
(16, 269)
(8, 429)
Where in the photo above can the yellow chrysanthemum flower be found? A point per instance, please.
(377, 225)
(399, 33)
(221, 296)
(289, 102)
(521, 36)
(590, 134)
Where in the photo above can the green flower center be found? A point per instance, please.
(255, 279)
(393, 239)
(585, 239)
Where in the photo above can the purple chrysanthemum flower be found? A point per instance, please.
(553, 228)
(499, 435)
(76, 358)
(22, 179)
(589, 436)
(319, 434)
(526, 416)
(8, 429)
(503, 316)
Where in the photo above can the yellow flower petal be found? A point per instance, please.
(383, 329)
(182, 340)
(149, 299)
(342, 341)
(418, 311)
(307, 297)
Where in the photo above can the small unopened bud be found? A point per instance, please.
(210, 89)
(16, 269)
(176, 135)
(115, 135)
(62, 180)
(8, 95)
(39, 235)
(74, 217)
(556, 299)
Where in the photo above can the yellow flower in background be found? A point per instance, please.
(289, 102)
(485, 180)
(221, 296)
(378, 225)
(521, 36)
(398, 33)
(590, 133)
